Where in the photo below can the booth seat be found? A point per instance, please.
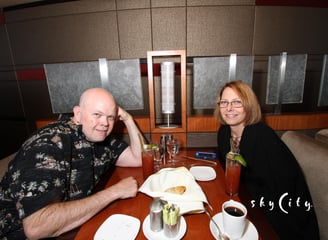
(4, 164)
(312, 155)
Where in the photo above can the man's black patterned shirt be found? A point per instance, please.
(55, 164)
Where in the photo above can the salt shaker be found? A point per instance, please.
(156, 215)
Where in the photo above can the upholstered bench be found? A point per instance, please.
(312, 155)
(322, 136)
(4, 164)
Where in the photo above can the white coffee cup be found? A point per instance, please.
(234, 218)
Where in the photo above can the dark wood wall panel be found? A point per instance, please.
(13, 134)
(296, 30)
(300, 3)
(65, 39)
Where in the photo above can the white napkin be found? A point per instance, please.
(191, 201)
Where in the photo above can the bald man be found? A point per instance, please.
(48, 189)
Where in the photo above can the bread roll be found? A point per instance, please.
(176, 190)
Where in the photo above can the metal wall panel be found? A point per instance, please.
(291, 88)
(323, 92)
(67, 81)
(210, 74)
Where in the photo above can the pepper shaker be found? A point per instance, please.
(156, 215)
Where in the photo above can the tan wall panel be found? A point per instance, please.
(134, 33)
(219, 2)
(169, 28)
(132, 4)
(290, 29)
(219, 30)
(61, 9)
(168, 3)
(65, 39)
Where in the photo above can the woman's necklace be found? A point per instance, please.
(235, 143)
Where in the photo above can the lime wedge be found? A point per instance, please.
(154, 146)
(151, 146)
(230, 155)
(147, 146)
(240, 159)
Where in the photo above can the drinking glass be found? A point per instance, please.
(147, 161)
(172, 146)
(232, 176)
(158, 157)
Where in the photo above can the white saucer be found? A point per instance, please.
(118, 227)
(151, 235)
(203, 173)
(249, 234)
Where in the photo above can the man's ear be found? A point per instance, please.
(77, 114)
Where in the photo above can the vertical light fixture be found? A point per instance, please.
(167, 88)
(103, 69)
(232, 66)
(282, 76)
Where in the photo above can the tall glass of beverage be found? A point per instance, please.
(232, 175)
(147, 161)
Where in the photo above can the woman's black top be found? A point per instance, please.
(275, 181)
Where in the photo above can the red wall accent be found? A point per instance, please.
(300, 3)
(2, 18)
(30, 74)
(157, 69)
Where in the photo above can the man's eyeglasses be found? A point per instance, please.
(234, 103)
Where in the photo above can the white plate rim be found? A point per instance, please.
(159, 235)
(135, 223)
(212, 174)
(250, 233)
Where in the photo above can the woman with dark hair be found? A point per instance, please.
(272, 175)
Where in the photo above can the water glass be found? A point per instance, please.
(173, 146)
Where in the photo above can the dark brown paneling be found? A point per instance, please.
(302, 3)
(65, 39)
(36, 99)
(290, 29)
(10, 102)
(13, 134)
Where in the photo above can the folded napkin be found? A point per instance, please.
(191, 201)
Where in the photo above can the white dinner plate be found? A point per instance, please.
(151, 235)
(203, 173)
(249, 234)
(118, 227)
